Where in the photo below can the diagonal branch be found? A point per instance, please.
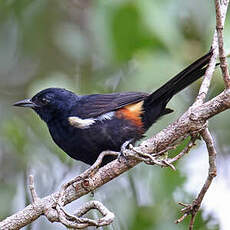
(217, 41)
(208, 73)
(76, 221)
(191, 122)
(192, 209)
(221, 9)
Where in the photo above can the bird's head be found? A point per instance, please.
(50, 103)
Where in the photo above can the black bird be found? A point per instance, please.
(84, 126)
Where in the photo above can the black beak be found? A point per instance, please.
(25, 103)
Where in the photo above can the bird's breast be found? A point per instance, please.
(86, 144)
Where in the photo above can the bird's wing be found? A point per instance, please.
(97, 104)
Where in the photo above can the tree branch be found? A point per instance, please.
(192, 122)
(208, 73)
(217, 41)
(192, 209)
(221, 10)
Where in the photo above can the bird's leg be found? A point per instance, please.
(124, 147)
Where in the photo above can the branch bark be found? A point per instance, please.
(192, 209)
(221, 9)
(193, 121)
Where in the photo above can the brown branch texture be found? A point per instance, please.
(151, 151)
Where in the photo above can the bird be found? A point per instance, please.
(83, 126)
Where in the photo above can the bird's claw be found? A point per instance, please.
(124, 147)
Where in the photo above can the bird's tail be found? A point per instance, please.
(180, 81)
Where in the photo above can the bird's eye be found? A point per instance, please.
(44, 101)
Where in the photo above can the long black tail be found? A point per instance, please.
(180, 81)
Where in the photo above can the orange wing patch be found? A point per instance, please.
(132, 113)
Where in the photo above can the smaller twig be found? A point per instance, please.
(78, 222)
(192, 209)
(93, 169)
(86, 174)
(181, 218)
(184, 151)
(171, 147)
(32, 189)
(48, 211)
(212, 164)
(162, 152)
(107, 218)
(217, 41)
(72, 221)
(192, 220)
(220, 17)
(208, 73)
(189, 209)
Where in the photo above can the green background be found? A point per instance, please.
(100, 47)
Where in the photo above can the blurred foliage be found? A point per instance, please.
(99, 46)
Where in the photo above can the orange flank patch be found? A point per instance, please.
(132, 113)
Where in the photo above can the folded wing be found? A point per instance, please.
(98, 104)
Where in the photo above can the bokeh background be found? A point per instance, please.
(100, 47)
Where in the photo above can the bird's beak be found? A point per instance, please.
(25, 103)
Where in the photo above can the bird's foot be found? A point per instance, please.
(150, 159)
(124, 147)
